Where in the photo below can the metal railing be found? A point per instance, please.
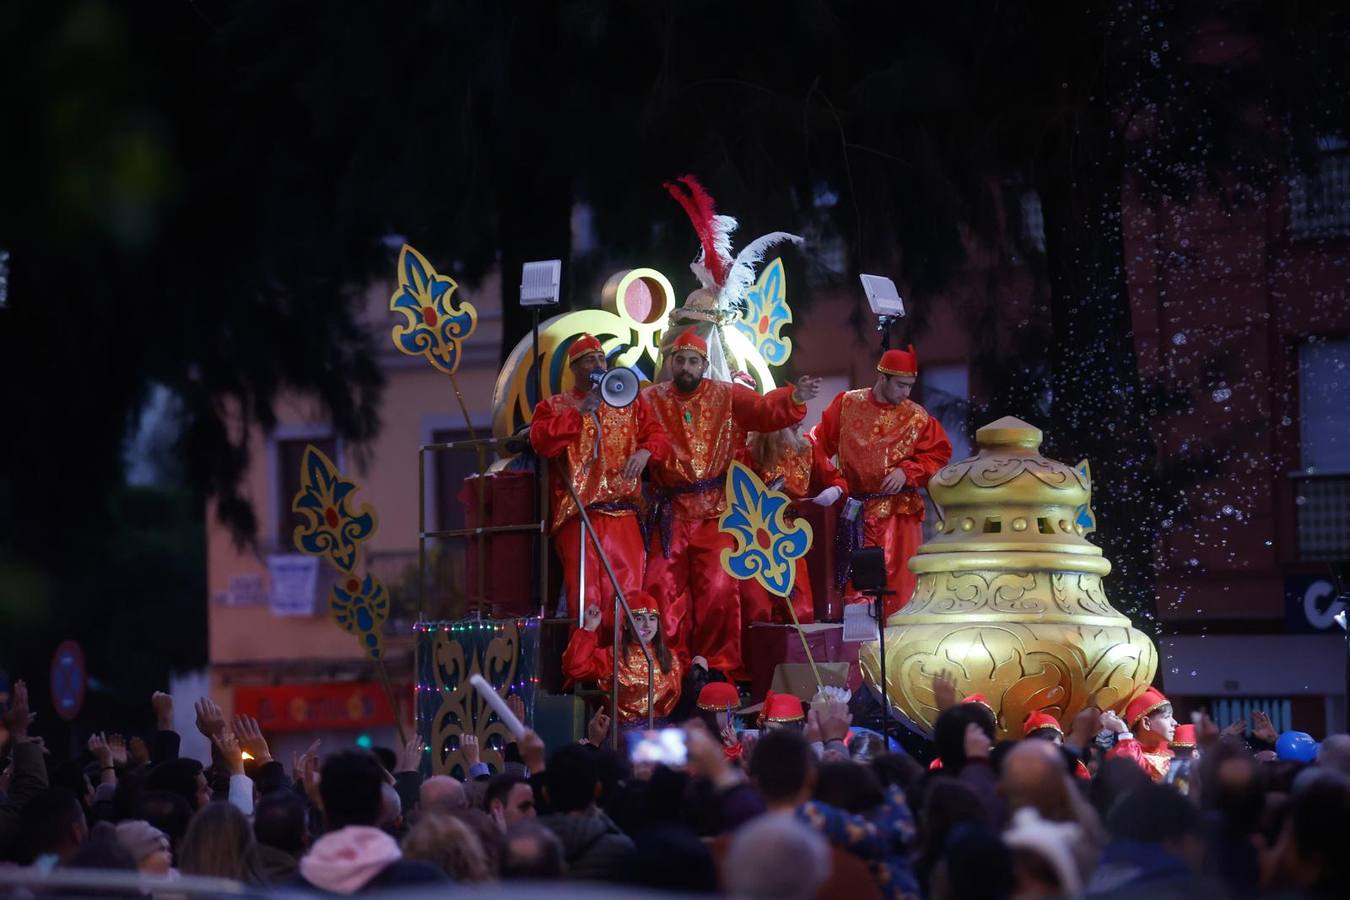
(620, 602)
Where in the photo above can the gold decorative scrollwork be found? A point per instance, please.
(461, 710)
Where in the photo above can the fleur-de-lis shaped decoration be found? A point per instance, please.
(766, 312)
(333, 530)
(435, 327)
(360, 606)
(766, 544)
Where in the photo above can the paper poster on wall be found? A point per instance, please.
(294, 582)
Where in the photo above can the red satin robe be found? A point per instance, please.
(872, 438)
(586, 659)
(700, 602)
(1155, 763)
(591, 450)
(806, 472)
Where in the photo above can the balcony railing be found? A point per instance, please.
(1322, 513)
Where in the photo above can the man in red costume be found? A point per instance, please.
(1151, 727)
(602, 450)
(706, 422)
(888, 447)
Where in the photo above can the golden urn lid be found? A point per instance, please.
(1009, 499)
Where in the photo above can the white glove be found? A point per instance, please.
(828, 496)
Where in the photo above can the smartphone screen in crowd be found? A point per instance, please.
(665, 746)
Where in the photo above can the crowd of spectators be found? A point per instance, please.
(819, 810)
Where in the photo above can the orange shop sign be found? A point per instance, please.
(314, 707)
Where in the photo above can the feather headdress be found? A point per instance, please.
(716, 269)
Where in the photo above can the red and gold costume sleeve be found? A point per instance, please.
(1155, 765)
(769, 412)
(932, 450)
(824, 474)
(585, 660)
(555, 427)
(651, 436)
(826, 433)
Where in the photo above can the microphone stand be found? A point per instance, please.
(879, 596)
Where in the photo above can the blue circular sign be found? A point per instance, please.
(68, 680)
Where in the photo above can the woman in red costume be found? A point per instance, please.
(585, 659)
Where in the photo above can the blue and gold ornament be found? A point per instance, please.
(767, 545)
(333, 530)
(360, 607)
(766, 312)
(435, 327)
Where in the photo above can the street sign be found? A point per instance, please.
(68, 680)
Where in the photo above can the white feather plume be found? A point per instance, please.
(742, 273)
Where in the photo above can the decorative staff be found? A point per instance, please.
(767, 545)
(336, 533)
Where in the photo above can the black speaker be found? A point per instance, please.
(868, 569)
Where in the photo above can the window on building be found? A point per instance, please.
(1319, 203)
(290, 459)
(1322, 492)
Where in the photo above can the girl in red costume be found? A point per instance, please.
(587, 660)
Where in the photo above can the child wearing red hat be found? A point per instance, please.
(585, 659)
(1145, 733)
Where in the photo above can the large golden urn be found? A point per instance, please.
(1009, 597)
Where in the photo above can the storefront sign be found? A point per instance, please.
(353, 705)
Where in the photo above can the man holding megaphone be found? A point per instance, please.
(600, 434)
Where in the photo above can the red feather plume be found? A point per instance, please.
(698, 205)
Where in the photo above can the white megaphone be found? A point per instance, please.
(618, 387)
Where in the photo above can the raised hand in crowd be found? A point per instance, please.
(251, 738)
(410, 755)
(18, 717)
(472, 750)
(1084, 725)
(977, 744)
(103, 756)
(1111, 721)
(298, 760)
(308, 773)
(1236, 729)
(597, 729)
(944, 690)
(1206, 731)
(532, 751)
(118, 745)
(705, 756)
(138, 752)
(517, 706)
(210, 719)
(231, 753)
(162, 704)
(833, 719)
(1262, 729)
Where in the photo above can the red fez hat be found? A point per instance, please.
(690, 341)
(587, 343)
(1184, 737)
(1148, 702)
(642, 602)
(982, 700)
(899, 362)
(1038, 720)
(719, 696)
(782, 708)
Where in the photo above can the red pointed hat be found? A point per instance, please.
(1184, 737)
(899, 362)
(782, 708)
(642, 602)
(690, 341)
(719, 696)
(586, 343)
(1038, 720)
(1147, 702)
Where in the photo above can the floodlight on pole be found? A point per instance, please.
(885, 302)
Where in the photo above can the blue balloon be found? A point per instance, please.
(1298, 746)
